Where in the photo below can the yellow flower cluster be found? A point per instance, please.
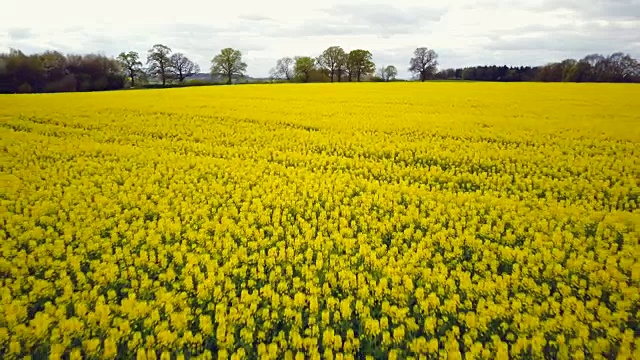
(337, 221)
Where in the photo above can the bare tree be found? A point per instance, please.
(380, 73)
(131, 63)
(283, 69)
(332, 59)
(593, 59)
(228, 64)
(182, 67)
(159, 62)
(424, 63)
(621, 67)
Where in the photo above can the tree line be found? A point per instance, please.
(335, 65)
(617, 67)
(52, 71)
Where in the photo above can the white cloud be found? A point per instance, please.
(463, 32)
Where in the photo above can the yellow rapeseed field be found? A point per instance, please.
(335, 221)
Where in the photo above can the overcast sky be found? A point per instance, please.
(463, 32)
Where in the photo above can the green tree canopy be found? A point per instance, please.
(132, 65)
(304, 66)
(228, 64)
(158, 61)
(359, 64)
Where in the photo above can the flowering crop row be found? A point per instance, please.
(322, 221)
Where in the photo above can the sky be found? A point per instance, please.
(462, 32)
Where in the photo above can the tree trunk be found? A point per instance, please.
(133, 75)
(229, 80)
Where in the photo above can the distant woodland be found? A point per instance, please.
(52, 71)
(615, 68)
